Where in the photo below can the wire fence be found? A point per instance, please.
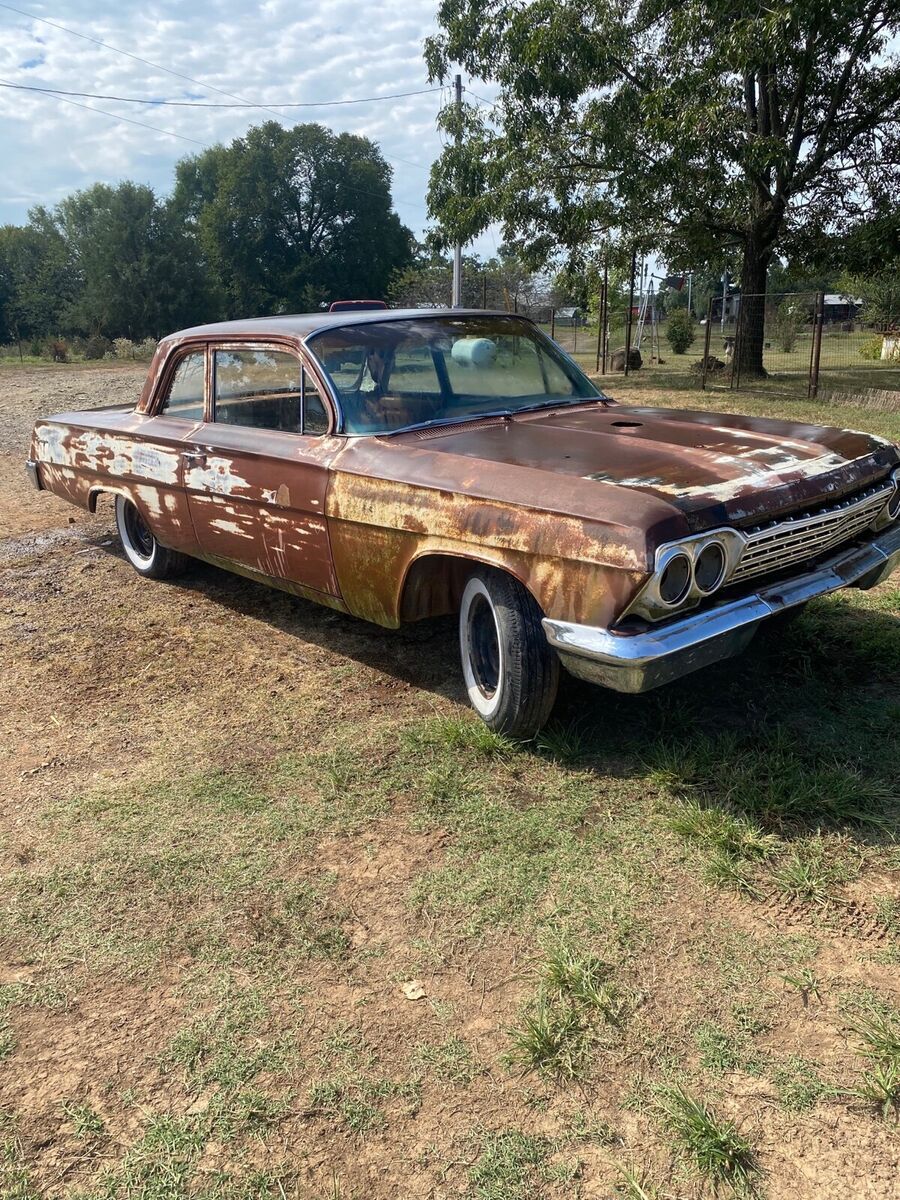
(791, 343)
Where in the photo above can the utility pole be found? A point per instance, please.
(457, 249)
(724, 300)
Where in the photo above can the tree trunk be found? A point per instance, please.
(751, 335)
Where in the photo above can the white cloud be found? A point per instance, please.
(280, 50)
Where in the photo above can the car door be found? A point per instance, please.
(257, 471)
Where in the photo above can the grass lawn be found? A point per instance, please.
(282, 919)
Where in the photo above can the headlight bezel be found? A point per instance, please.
(653, 605)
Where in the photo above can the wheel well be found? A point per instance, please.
(434, 584)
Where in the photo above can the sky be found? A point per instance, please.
(281, 50)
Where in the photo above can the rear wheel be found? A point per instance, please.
(511, 672)
(141, 548)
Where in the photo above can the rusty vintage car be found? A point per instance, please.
(405, 464)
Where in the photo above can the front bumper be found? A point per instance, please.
(33, 474)
(637, 662)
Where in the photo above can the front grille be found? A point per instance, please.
(806, 535)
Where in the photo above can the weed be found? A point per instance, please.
(565, 744)
(769, 776)
(634, 1186)
(7, 1039)
(719, 830)
(725, 870)
(159, 1165)
(880, 1086)
(799, 1085)
(806, 983)
(458, 733)
(719, 1152)
(86, 1122)
(879, 1034)
(808, 874)
(723, 1050)
(509, 1165)
(450, 1061)
(553, 1039)
(584, 979)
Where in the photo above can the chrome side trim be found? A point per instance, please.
(641, 661)
(33, 474)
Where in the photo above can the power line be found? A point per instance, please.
(205, 145)
(117, 117)
(60, 92)
(469, 92)
(137, 58)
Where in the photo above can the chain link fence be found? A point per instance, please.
(789, 343)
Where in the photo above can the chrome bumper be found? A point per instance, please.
(32, 468)
(640, 661)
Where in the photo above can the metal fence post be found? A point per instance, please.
(605, 323)
(816, 352)
(630, 314)
(706, 344)
(553, 323)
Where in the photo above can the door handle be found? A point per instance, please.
(194, 458)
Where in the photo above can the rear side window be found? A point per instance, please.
(264, 389)
(184, 398)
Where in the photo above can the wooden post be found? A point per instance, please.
(553, 323)
(630, 313)
(706, 344)
(484, 289)
(816, 353)
(574, 334)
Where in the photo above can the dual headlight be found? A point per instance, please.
(689, 570)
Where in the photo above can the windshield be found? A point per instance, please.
(389, 375)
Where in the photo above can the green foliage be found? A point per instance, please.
(720, 1153)
(871, 348)
(280, 220)
(688, 128)
(786, 325)
(509, 1166)
(680, 332)
(289, 219)
(879, 292)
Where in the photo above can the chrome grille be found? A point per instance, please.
(797, 539)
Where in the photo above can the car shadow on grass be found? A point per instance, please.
(797, 733)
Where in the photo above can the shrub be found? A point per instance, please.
(871, 348)
(57, 350)
(123, 347)
(786, 325)
(145, 349)
(36, 349)
(96, 346)
(680, 330)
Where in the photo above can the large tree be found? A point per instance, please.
(132, 266)
(289, 219)
(36, 282)
(701, 129)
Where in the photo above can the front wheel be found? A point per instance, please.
(510, 670)
(141, 548)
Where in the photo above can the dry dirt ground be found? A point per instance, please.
(280, 919)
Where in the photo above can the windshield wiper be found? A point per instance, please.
(558, 403)
(437, 421)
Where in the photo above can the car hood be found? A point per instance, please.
(727, 467)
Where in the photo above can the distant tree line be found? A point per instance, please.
(280, 220)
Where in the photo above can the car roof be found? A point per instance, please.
(301, 325)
